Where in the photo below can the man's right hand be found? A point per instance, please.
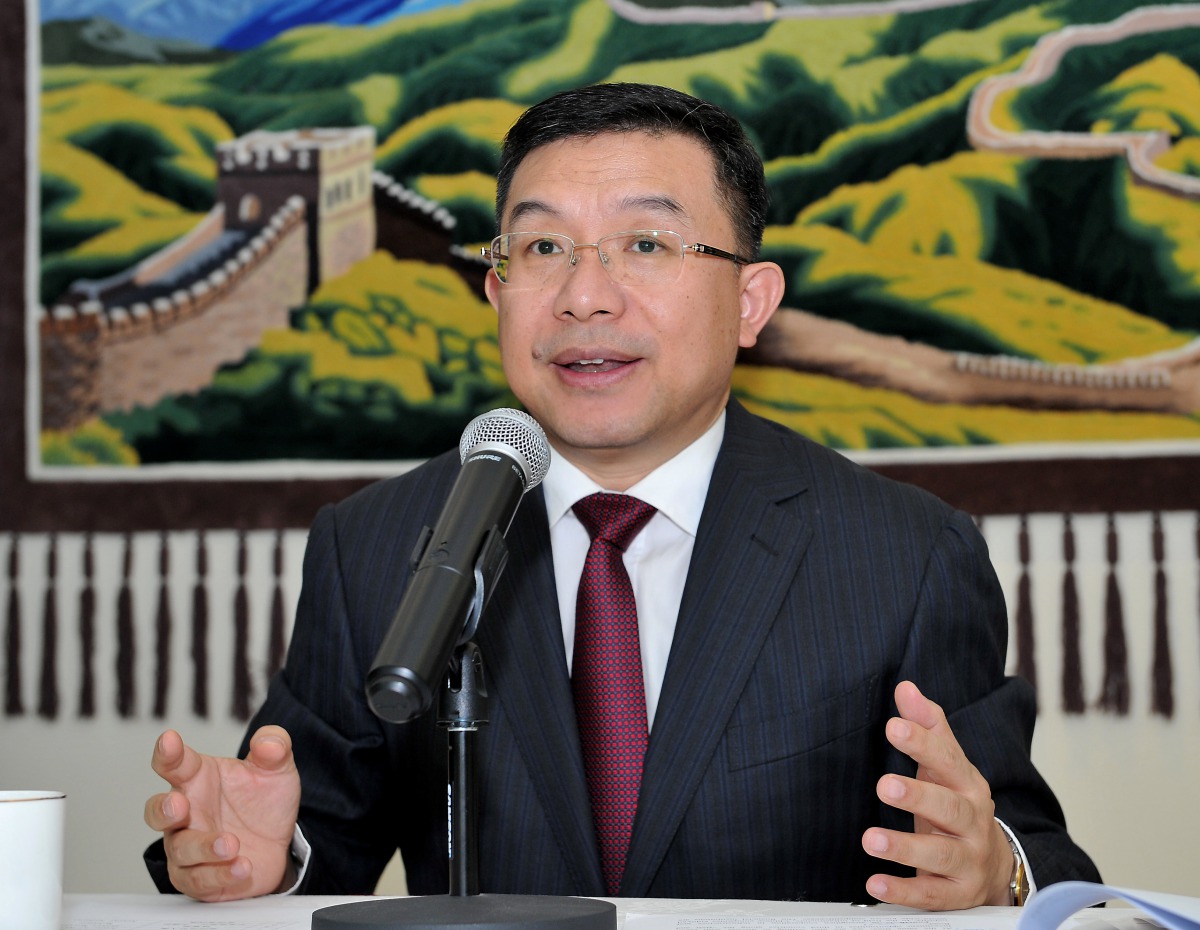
(227, 824)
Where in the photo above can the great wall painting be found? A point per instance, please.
(950, 318)
(294, 209)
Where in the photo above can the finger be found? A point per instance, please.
(935, 749)
(944, 809)
(928, 892)
(173, 759)
(938, 755)
(934, 853)
(188, 848)
(914, 706)
(214, 882)
(270, 749)
(922, 726)
(166, 811)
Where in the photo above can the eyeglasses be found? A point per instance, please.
(640, 256)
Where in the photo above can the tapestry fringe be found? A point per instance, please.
(1163, 701)
(162, 631)
(241, 628)
(1114, 693)
(126, 696)
(87, 634)
(1072, 676)
(48, 679)
(13, 705)
(200, 631)
(1023, 624)
(1092, 597)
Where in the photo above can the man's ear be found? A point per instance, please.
(491, 287)
(761, 290)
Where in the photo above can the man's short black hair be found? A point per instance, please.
(602, 108)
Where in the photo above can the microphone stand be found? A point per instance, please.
(462, 711)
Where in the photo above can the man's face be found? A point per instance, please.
(667, 350)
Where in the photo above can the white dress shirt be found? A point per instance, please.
(658, 558)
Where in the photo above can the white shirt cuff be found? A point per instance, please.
(301, 852)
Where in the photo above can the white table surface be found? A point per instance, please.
(175, 912)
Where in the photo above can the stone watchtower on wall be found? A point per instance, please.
(293, 209)
(330, 169)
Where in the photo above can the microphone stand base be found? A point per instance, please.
(470, 912)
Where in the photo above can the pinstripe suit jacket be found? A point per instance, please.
(815, 587)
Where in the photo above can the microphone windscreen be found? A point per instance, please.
(516, 434)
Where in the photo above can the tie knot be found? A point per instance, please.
(615, 518)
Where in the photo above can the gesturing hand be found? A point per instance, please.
(227, 824)
(960, 852)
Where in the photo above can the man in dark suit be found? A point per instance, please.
(821, 650)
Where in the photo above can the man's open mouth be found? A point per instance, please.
(596, 365)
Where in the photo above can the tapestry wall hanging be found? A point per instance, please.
(249, 277)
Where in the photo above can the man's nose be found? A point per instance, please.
(587, 288)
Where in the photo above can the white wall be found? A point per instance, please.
(1126, 783)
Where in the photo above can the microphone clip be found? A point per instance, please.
(489, 565)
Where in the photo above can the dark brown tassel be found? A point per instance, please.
(126, 644)
(1026, 658)
(277, 645)
(1072, 673)
(241, 638)
(1163, 698)
(1114, 694)
(87, 634)
(13, 705)
(162, 630)
(48, 682)
(200, 631)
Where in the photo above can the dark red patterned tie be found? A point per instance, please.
(606, 675)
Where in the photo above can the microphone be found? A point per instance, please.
(455, 565)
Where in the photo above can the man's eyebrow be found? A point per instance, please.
(656, 204)
(653, 203)
(530, 207)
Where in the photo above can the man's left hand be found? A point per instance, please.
(960, 852)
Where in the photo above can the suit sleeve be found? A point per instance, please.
(956, 654)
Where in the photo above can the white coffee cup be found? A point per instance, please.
(31, 859)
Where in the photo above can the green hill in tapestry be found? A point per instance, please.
(883, 215)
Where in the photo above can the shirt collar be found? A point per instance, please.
(677, 488)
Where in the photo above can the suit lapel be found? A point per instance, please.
(748, 548)
(521, 629)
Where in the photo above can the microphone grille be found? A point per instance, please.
(516, 433)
